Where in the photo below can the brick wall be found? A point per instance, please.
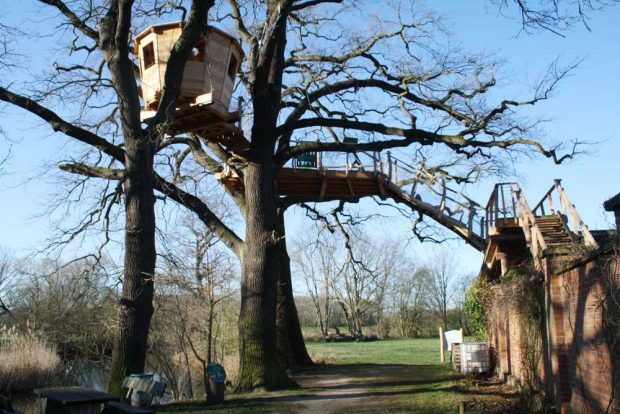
(504, 333)
(576, 361)
(582, 350)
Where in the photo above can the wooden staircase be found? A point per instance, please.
(554, 231)
(511, 225)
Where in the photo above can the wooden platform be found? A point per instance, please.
(318, 184)
(207, 121)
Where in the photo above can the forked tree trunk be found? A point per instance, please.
(291, 346)
(258, 356)
(136, 304)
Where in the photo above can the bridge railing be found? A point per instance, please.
(556, 202)
(417, 181)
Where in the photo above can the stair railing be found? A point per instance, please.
(448, 201)
(565, 209)
(527, 221)
(507, 202)
(423, 183)
(497, 208)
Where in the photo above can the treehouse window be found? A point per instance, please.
(232, 66)
(198, 52)
(148, 55)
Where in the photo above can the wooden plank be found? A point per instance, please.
(351, 192)
(382, 189)
(323, 188)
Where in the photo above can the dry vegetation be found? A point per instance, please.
(26, 361)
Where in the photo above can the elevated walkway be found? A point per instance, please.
(370, 175)
(506, 230)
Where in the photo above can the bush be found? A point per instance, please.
(26, 361)
(475, 307)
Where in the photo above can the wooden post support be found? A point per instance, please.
(442, 351)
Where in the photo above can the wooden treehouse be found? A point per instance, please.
(207, 86)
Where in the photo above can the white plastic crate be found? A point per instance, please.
(475, 358)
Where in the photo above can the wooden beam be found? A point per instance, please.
(382, 189)
(323, 188)
(351, 192)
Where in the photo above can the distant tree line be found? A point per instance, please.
(374, 286)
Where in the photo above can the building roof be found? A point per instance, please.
(613, 203)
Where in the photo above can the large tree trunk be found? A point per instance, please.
(136, 308)
(258, 356)
(291, 346)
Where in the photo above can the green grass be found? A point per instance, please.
(397, 351)
(383, 376)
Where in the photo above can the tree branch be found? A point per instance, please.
(410, 136)
(73, 18)
(93, 171)
(60, 125)
(226, 234)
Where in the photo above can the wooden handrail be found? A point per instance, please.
(545, 197)
(577, 227)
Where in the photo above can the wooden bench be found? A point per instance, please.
(71, 400)
(144, 387)
(115, 407)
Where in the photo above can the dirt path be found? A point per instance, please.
(335, 394)
(370, 388)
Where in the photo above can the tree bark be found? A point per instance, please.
(136, 304)
(291, 346)
(258, 357)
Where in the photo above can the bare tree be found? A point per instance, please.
(317, 263)
(392, 84)
(101, 38)
(392, 263)
(72, 305)
(409, 298)
(554, 15)
(443, 279)
(197, 288)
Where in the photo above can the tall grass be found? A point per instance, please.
(26, 361)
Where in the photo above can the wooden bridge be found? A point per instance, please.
(506, 229)
(365, 175)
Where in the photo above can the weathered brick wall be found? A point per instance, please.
(504, 333)
(578, 357)
(584, 361)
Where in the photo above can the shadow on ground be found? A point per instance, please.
(358, 388)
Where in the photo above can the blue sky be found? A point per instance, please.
(586, 107)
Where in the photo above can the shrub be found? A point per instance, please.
(475, 307)
(26, 361)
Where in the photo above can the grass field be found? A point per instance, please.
(382, 376)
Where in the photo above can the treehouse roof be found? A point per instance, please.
(162, 27)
